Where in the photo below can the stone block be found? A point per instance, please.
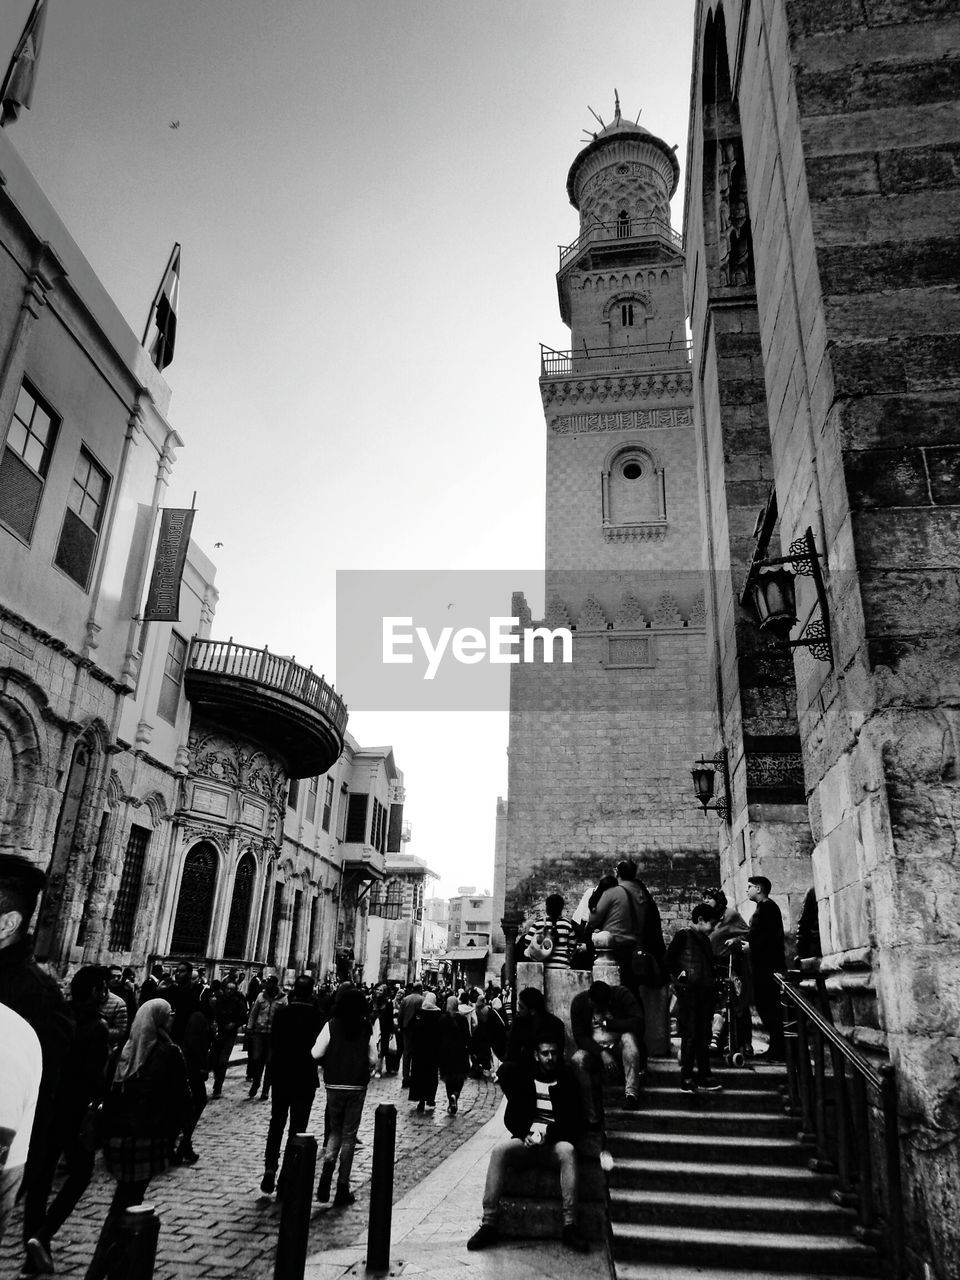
(813, 17)
(891, 421)
(886, 478)
(920, 539)
(851, 269)
(886, 12)
(862, 88)
(919, 169)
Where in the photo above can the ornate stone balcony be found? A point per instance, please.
(363, 861)
(590, 362)
(622, 233)
(270, 699)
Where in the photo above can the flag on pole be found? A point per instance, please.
(163, 594)
(17, 91)
(160, 335)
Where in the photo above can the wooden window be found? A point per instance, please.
(327, 804)
(128, 895)
(293, 793)
(239, 917)
(293, 957)
(195, 903)
(86, 501)
(169, 701)
(311, 808)
(25, 461)
(356, 818)
(393, 903)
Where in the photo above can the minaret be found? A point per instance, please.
(601, 750)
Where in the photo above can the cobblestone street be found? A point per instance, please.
(215, 1222)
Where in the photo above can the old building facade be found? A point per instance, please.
(821, 233)
(601, 748)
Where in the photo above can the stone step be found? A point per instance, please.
(708, 1148)
(682, 1271)
(776, 1251)
(544, 1184)
(736, 1212)
(705, 1120)
(523, 1219)
(684, 1175)
(665, 1097)
(761, 1075)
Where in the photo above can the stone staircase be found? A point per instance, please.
(717, 1186)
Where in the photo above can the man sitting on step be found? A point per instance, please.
(544, 1116)
(608, 1027)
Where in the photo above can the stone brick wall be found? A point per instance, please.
(850, 138)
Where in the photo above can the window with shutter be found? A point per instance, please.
(128, 895)
(25, 461)
(81, 522)
(169, 701)
(356, 830)
(395, 833)
(327, 804)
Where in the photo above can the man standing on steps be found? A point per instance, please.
(690, 964)
(765, 944)
(545, 1118)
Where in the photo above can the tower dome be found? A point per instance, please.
(624, 171)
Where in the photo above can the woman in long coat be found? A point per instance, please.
(453, 1058)
(148, 1104)
(425, 1060)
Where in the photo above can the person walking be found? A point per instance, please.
(453, 1057)
(730, 930)
(259, 1022)
(147, 1105)
(625, 918)
(690, 964)
(82, 1086)
(386, 1031)
(347, 1049)
(425, 1058)
(409, 1008)
(21, 1066)
(296, 1027)
(229, 1015)
(767, 956)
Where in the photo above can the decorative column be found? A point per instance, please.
(510, 924)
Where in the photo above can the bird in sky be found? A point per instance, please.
(174, 124)
(217, 544)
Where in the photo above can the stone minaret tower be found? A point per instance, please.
(601, 750)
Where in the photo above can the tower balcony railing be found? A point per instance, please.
(622, 229)
(674, 354)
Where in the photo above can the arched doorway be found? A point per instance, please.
(191, 926)
(240, 907)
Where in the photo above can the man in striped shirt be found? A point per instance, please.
(545, 1117)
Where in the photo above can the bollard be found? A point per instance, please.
(381, 1187)
(134, 1250)
(300, 1163)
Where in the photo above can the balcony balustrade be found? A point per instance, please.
(270, 698)
(624, 230)
(626, 359)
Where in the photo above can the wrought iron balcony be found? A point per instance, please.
(627, 359)
(269, 698)
(623, 230)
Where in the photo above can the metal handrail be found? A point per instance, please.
(631, 229)
(834, 1111)
(260, 666)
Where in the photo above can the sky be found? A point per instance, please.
(369, 195)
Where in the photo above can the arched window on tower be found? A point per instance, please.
(191, 925)
(623, 224)
(633, 494)
(626, 315)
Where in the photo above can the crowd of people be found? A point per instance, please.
(124, 1068)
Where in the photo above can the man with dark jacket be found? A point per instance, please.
(690, 964)
(545, 1118)
(229, 1015)
(83, 1083)
(607, 1025)
(293, 1033)
(767, 957)
(34, 995)
(624, 918)
(532, 1024)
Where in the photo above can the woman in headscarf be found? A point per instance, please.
(454, 1052)
(148, 1104)
(347, 1049)
(425, 1060)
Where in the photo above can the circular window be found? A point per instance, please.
(631, 469)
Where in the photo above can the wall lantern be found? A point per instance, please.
(704, 774)
(770, 590)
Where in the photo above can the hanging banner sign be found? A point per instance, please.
(163, 598)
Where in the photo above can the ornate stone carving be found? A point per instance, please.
(520, 609)
(620, 420)
(698, 612)
(775, 769)
(635, 532)
(592, 617)
(215, 757)
(630, 651)
(734, 237)
(556, 614)
(667, 612)
(631, 612)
